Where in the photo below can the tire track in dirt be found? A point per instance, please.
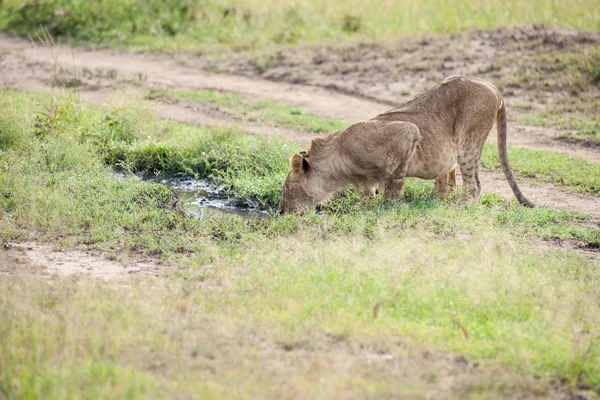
(548, 196)
(200, 114)
(157, 71)
(396, 70)
(97, 73)
(544, 138)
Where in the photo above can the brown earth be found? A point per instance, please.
(393, 72)
(349, 81)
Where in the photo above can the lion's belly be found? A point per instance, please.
(430, 166)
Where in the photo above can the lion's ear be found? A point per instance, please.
(298, 163)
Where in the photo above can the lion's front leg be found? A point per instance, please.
(367, 191)
(446, 183)
(406, 137)
(394, 188)
(394, 184)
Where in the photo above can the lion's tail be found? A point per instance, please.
(501, 125)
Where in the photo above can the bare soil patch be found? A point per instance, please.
(548, 139)
(45, 259)
(97, 70)
(548, 196)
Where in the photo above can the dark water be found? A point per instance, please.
(202, 200)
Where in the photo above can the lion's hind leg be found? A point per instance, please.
(479, 185)
(468, 159)
(367, 191)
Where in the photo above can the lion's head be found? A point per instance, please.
(294, 197)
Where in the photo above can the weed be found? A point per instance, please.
(351, 23)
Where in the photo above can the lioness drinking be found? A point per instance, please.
(422, 138)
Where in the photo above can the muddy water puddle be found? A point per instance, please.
(203, 200)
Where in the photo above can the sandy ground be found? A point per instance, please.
(48, 260)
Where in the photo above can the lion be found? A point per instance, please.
(424, 138)
(446, 183)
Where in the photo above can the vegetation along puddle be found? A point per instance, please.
(203, 200)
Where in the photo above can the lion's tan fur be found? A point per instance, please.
(432, 133)
(446, 183)
(363, 155)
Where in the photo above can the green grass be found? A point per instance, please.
(244, 295)
(262, 111)
(185, 24)
(423, 288)
(569, 171)
(245, 328)
(72, 134)
(578, 127)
